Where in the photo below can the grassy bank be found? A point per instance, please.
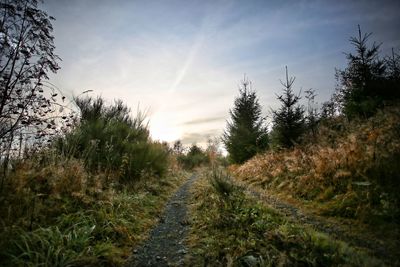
(232, 229)
(349, 170)
(55, 213)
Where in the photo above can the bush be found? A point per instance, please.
(109, 140)
(194, 158)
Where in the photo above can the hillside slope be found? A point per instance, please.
(351, 170)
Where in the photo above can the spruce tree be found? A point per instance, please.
(288, 120)
(246, 133)
(362, 85)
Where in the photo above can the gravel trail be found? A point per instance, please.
(166, 246)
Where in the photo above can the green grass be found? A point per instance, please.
(90, 197)
(231, 229)
(88, 225)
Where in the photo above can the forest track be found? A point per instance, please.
(334, 228)
(166, 243)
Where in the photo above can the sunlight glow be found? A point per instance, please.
(161, 128)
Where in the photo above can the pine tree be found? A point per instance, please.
(361, 86)
(288, 121)
(392, 85)
(246, 133)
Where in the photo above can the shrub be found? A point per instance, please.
(109, 140)
(194, 158)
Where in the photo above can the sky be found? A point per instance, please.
(181, 62)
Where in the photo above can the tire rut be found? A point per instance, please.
(166, 243)
(321, 224)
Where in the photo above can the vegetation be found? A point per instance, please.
(31, 109)
(91, 203)
(341, 162)
(108, 139)
(246, 134)
(194, 158)
(288, 121)
(24, 66)
(232, 229)
(369, 82)
(351, 170)
(82, 187)
(346, 168)
(55, 213)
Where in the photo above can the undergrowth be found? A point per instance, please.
(231, 229)
(55, 213)
(350, 169)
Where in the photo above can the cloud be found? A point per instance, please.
(205, 120)
(199, 138)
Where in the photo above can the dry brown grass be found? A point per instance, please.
(352, 165)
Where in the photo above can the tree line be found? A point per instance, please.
(367, 84)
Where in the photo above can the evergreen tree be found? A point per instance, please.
(288, 121)
(361, 86)
(392, 85)
(393, 66)
(312, 116)
(246, 133)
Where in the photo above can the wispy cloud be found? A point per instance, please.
(205, 120)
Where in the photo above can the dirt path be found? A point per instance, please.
(331, 227)
(165, 246)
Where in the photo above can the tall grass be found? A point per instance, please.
(53, 247)
(54, 212)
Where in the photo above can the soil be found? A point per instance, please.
(166, 243)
